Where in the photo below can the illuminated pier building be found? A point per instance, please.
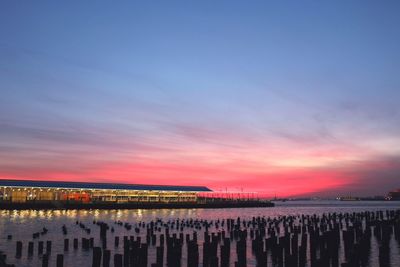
(29, 191)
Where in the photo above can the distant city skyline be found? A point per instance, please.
(289, 98)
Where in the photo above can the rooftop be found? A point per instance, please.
(111, 186)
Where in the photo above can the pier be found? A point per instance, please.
(29, 194)
(205, 204)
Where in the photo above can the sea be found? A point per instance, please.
(21, 224)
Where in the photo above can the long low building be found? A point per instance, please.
(25, 191)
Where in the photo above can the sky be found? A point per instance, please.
(293, 98)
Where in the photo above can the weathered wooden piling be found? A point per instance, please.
(18, 249)
(106, 258)
(40, 247)
(48, 247)
(75, 243)
(117, 260)
(225, 252)
(96, 259)
(160, 256)
(66, 244)
(30, 248)
(192, 254)
(45, 260)
(85, 243)
(60, 260)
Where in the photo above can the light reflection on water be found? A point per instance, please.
(21, 224)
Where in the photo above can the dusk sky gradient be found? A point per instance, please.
(297, 98)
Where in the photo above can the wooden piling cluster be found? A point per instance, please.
(3, 260)
(327, 240)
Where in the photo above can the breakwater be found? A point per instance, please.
(133, 205)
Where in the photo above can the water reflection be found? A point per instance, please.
(21, 224)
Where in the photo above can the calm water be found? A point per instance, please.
(21, 224)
